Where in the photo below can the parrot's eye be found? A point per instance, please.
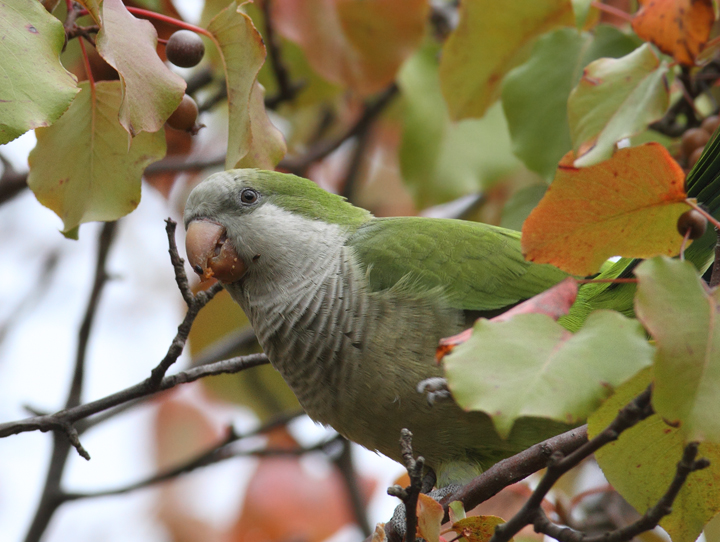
(249, 196)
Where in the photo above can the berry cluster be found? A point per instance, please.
(185, 49)
(694, 140)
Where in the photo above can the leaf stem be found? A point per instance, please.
(692, 203)
(171, 20)
(612, 10)
(88, 69)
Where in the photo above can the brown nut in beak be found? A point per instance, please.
(211, 253)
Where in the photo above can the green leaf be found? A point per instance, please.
(535, 95)
(441, 160)
(35, 89)
(563, 376)
(151, 92)
(641, 464)
(684, 319)
(82, 168)
(243, 53)
(616, 98)
(488, 42)
(581, 8)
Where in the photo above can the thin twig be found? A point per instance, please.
(409, 495)
(715, 276)
(195, 302)
(287, 90)
(638, 409)
(215, 454)
(516, 468)
(143, 389)
(66, 436)
(647, 522)
(299, 164)
(344, 463)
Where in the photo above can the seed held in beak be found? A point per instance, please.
(211, 253)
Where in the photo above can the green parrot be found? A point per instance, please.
(349, 308)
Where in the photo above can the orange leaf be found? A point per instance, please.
(430, 514)
(354, 43)
(285, 501)
(679, 28)
(625, 206)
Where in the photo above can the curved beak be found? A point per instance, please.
(211, 253)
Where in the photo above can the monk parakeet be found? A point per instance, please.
(349, 308)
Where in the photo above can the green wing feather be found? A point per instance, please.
(477, 266)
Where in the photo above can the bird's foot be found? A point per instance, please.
(435, 389)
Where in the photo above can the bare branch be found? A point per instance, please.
(287, 90)
(715, 276)
(516, 468)
(409, 495)
(195, 302)
(638, 409)
(67, 435)
(344, 463)
(143, 389)
(299, 164)
(647, 522)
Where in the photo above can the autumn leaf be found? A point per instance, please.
(252, 138)
(37, 97)
(429, 514)
(615, 99)
(493, 41)
(358, 44)
(679, 28)
(477, 528)
(82, 168)
(151, 92)
(674, 305)
(641, 465)
(626, 206)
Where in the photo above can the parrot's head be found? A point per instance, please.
(249, 221)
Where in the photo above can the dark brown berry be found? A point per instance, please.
(695, 156)
(185, 49)
(185, 116)
(692, 139)
(710, 124)
(694, 221)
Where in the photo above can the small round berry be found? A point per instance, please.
(692, 139)
(695, 156)
(694, 221)
(185, 49)
(710, 124)
(185, 116)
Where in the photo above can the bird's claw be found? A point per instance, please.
(435, 389)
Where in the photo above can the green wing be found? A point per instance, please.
(477, 266)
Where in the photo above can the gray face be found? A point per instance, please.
(275, 245)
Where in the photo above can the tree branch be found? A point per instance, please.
(638, 409)
(299, 164)
(215, 454)
(647, 522)
(715, 276)
(287, 90)
(409, 495)
(67, 435)
(143, 389)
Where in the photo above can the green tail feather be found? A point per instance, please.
(703, 184)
